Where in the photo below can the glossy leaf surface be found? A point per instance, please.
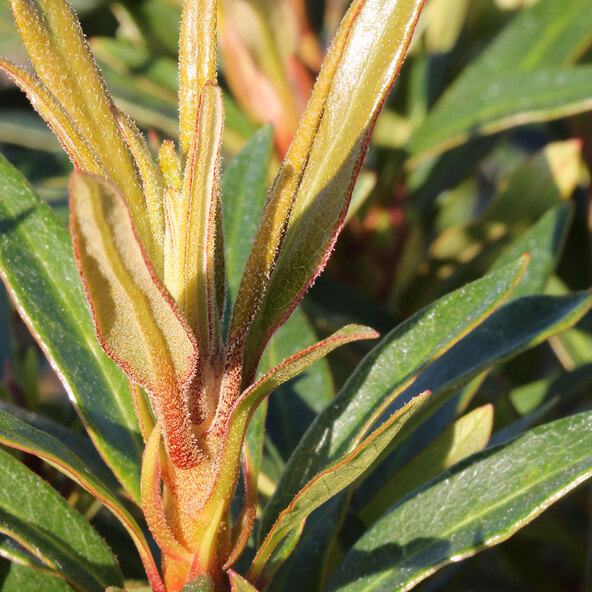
(466, 436)
(475, 504)
(38, 268)
(543, 242)
(513, 328)
(384, 374)
(513, 99)
(17, 578)
(39, 518)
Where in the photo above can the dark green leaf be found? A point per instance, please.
(467, 435)
(18, 434)
(494, 105)
(515, 327)
(476, 504)
(37, 265)
(20, 578)
(293, 405)
(80, 445)
(40, 519)
(543, 242)
(326, 484)
(384, 374)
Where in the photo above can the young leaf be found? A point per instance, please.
(197, 63)
(308, 201)
(196, 259)
(136, 322)
(45, 287)
(325, 485)
(297, 363)
(239, 584)
(61, 57)
(40, 519)
(244, 408)
(475, 504)
(74, 143)
(200, 584)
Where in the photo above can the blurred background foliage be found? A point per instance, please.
(485, 143)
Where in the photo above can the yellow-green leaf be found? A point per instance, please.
(63, 61)
(309, 199)
(197, 62)
(135, 318)
(194, 264)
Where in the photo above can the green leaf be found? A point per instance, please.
(465, 510)
(326, 484)
(40, 519)
(547, 35)
(18, 434)
(18, 578)
(77, 443)
(37, 265)
(466, 436)
(243, 194)
(384, 374)
(310, 197)
(239, 584)
(61, 57)
(514, 99)
(294, 365)
(200, 584)
(5, 328)
(544, 242)
(292, 406)
(513, 328)
(313, 549)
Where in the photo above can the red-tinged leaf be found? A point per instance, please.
(241, 530)
(152, 185)
(152, 501)
(239, 584)
(56, 117)
(197, 62)
(135, 320)
(196, 280)
(37, 266)
(308, 202)
(62, 59)
(325, 485)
